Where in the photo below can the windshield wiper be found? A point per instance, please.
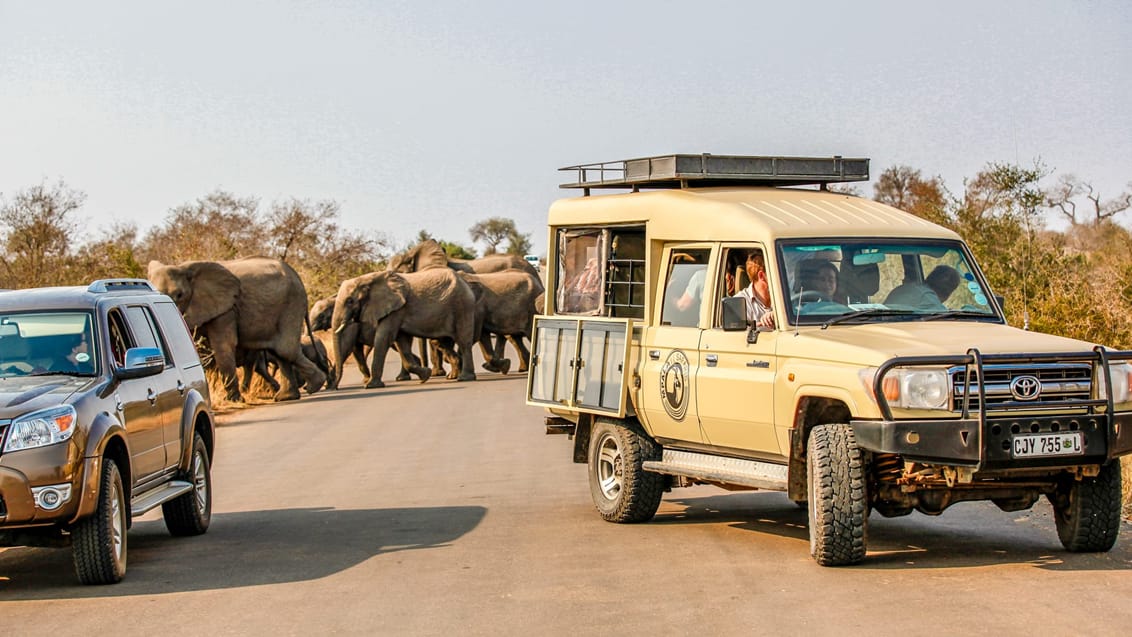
(957, 314)
(869, 313)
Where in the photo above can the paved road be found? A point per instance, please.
(443, 509)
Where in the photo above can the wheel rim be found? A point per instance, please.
(117, 522)
(200, 482)
(610, 467)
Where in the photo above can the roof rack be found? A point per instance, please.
(115, 285)
(698, 171)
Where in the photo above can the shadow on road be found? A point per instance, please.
(243, 549)
(956, 539)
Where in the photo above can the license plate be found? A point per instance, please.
(1039, 445)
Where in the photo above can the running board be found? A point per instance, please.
(149, 500)
(701, 466)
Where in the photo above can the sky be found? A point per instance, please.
(434, 115)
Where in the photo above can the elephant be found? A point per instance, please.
(264, 363)
(249, 304)
(321, 314)
(429, 254)
(507, 308)
(386, 307)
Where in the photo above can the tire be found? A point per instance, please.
(1087, 512)
(622, 491)
(838, 511)
(189, 514)
(99, 541)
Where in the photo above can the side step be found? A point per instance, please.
(149, 500)
(556, 425)
(701, 466)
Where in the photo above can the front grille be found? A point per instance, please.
(1058, 383)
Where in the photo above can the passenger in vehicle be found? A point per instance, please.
(930, 295)
(757, 294)
(819, 277)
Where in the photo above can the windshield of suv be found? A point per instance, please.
(44, 343)
(869, 280)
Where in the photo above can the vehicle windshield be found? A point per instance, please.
(872, 280)
(46, 343)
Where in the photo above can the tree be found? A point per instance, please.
(492, 232)
(905, 188)
(1063, 198)
(217, 227)
(518, 244)
(37, 234)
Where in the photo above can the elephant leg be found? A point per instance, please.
(259, 364)
(409, 362)
(360, 357)
(437, 357)
(524, 353)
(224, 355)
(467, 368)
(408, 359)
(384, 337)
(298, 370)
(493, 360)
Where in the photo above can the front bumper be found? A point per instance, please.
(988, 445)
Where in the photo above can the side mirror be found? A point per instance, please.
(141, 362)
(734, 314)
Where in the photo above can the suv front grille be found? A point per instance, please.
(1059, 383)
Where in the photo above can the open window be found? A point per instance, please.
(601, 272)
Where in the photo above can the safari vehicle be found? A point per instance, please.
(884, 377)
(104, 415)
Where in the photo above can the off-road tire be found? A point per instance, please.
(622, 491)
(1087, 511)
(837, 495)
(189, 514)
(99, 541)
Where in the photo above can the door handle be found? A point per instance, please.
(152, 396)
(654, 354)
(711, 359)
(180, 387)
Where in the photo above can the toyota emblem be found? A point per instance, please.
(1026, 388)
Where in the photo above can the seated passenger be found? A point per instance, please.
(931, 294)
(757, 294)
(818, 277)
(77, 359)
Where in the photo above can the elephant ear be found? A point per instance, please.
(215, 291)
(387, 294)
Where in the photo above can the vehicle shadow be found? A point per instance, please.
(243, 549)
(969, 534)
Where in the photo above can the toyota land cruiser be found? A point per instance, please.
(720, 325)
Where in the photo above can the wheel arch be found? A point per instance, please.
(809, 412)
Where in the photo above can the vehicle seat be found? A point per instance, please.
(14, 349)
(858, 283)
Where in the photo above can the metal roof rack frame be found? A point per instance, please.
(707, 170)
(114, 285)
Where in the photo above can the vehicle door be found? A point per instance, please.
(671, 343)
(169, 384)
(136, 403)
(735, 382)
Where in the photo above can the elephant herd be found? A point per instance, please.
(248, 312)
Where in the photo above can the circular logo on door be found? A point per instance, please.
(674, 385)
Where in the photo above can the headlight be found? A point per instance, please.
(1121, 375)
(40, 428)
(911, 388)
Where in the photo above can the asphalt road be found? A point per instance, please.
(443, 509)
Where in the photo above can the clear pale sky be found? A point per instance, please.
(435, 115)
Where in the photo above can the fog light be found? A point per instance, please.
(51, 497)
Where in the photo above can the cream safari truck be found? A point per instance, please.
(884, 379)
